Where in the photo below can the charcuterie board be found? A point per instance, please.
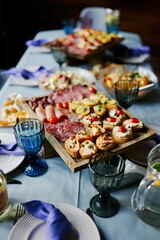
(78, 164)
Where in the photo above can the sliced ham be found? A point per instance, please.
(50, 112)
(61, 113)
(41, 114)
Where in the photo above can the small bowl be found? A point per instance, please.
(143, 91)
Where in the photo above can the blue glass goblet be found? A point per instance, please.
(106, 172)
(29, 134)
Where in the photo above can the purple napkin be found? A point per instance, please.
(28, 74)
(11, 148)
(157, 139)
(57, 225)
(122, 50)
(36, 43)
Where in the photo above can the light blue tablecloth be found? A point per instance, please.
(59, 184)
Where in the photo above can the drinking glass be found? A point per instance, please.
(106, 172)
(5, 204)
(68, 25)
(126, 92)
(112, 20)
(29, 134)
(60, 54)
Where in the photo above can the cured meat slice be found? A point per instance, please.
(41, 114)
(64, 129)
(50, 112)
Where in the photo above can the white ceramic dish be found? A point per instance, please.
(31, 228)
(143, 91)
(9, 162)
(82, 73)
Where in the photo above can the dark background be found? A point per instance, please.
(20, 20)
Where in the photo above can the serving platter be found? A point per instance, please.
(79, 163)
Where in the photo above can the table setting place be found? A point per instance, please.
(80, 144)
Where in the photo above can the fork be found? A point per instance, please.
(20, 211)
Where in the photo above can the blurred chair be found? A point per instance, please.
(97, 14)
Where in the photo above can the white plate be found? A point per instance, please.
(82, 73)
(31, 228)
(28, 82)
(9, 162)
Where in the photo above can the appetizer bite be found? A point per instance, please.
(118, 113)
(72, 146)
(110, 122)
(91, 119)
(105, 142)
(88, 149)
(122, 134)
(134, 123)
(97, 130)
(84, 135)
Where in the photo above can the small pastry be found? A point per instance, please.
(97, 130)
(88, 149)
(110, 122)
(105, 142)
(90, 102)
(74, 105)
(122, 134)
(97, 96)
(134, 123)
(100, 110)
(82, 110)
(84, 135)
(118, 113)
(72, 146)
(110, 104)
(91, 119)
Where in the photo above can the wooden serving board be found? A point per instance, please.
(96, 51)
(78, 164)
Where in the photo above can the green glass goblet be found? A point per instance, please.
(106, 172)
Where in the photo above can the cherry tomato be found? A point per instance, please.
(133, 120)
(119, 111)
(59, 105)
(70, 43)
(66, 105)
(107, 78)
(53, 120)
(93, 118)
(92, 89)
(111, 119)
(122, 129)
(91, 44)
(88, 50)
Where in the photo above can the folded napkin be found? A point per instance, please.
(36, 43)
(11, 149)
(131, 55)
(57, 225)
(28, 74)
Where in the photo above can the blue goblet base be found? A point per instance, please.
(105, 209)
(36, 167)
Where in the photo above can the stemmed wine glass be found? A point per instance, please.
(106, 172)
(126, 92)
(29, 134)
(60, 53)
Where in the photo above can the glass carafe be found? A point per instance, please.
(4, 200)
(146, 199)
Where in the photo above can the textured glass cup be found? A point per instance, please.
(29, 134)
(126, 92)
(106, 172)
(5, 204)
(60, 54)
(112, 20)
